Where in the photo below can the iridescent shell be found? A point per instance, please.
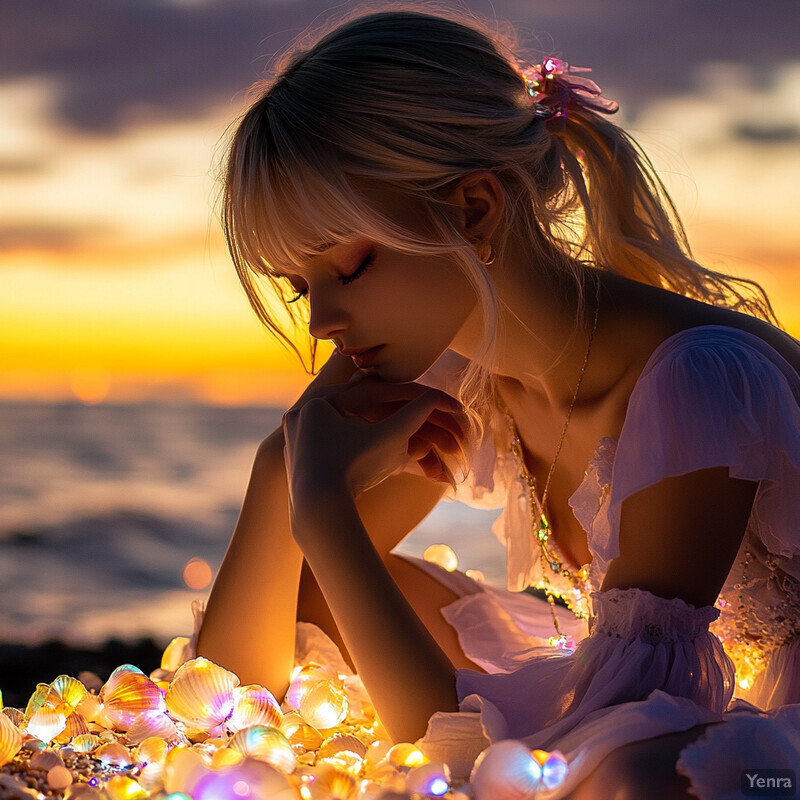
(10, 739)
(253, 705)
(153, 723)
(67, 692)
(299, 732)
(151, 750)
(331, 783)
(174, 654)
(59, 777)
(85, 743)
(303, 680)
(324, 705)
(46, 723)
(46, 759)
(268, 745)
(90, 708)
(40, 694)
(114, 754)
(201, 694)
(505, 771)
(151, 776)
(342, 742)
(76, 726)
(127, 693)
(429, 780)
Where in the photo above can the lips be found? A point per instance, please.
(363, 358)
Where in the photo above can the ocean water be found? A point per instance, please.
(101, 507)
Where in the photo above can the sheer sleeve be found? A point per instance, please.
(715, 396)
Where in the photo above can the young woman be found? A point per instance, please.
(518, 321)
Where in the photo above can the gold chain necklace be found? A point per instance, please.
(577, 599)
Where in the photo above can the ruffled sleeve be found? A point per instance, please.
(715, 396)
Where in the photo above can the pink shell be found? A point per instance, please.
(201, 694)
(254, 705)
(127, 693)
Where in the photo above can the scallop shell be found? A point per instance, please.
(331, 783)
(90, 708)
(253, 705)
(299, 732)
(10, 739)
(309, 675)
(15, 715)
(152, 776)
(429, 780)
(505, 771)
(201, 694)
(324, 705)
(85, 743)
(114, 754)
(268, 745)
(152, 750)
(76, 726)
(66, 692)
(46, 723)
(127, 693)
(342, 742)
(153, 723)
(37, 700)
(46, 759)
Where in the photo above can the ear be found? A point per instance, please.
(480, 200)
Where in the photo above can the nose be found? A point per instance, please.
(326, 317)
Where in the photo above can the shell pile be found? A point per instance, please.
(202, 736)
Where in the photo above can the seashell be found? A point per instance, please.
(404, 754)
(303, 680)
(183, 768)
(10, 739)
(153, 723)
(201, 694)
(76, 725)
(90, 708)
(59, 777)
(377, 751)
(127, 693)
(505, 771)
(331, 783)
(46, 760)
(299, 732)
(174, 654)
(268, 745)
(342, 742)
(151, 777)
(429, 780)
(37, 700)
(66, 692)
(476, 575)
(85, 743)
(250, 778)
(121, 787)
(253, 705)
(46, 723)
(114, 754)
(152, 750)
(441, 555)
(15, 715)
(324, 705)
(225, 757)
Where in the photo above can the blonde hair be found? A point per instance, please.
(414, 101)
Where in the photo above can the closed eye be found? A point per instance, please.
(360, 270)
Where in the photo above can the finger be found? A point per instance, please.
(409, 418)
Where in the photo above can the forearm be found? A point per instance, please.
(249, 625)
(406, 673)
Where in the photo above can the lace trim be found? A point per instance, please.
(637, 613)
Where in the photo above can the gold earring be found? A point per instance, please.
(486, 253)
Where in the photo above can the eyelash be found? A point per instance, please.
(344, 279)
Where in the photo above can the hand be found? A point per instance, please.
(365, 430)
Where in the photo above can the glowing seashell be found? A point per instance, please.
(505, 771)
(10, 739)
(85, 743)
(127, 693)
(249, 779)
(331, 783)
(299, 732)
(16, 717)
(174, 654)
(121, 787)
(253, 705)
(225, 757)
(67, 692)
(114, 754)
(37, 700)
(151, 776)
(442, 555)
(404, 754)
(46, 723)
(268, 745)
(201, 694)
(324, 705)
(429, 780)
(59, 777)
(302, 682)
(151, 750)
(76, 726)
(377, 751)
(90, 708)
(342, 742)
(153, 723)
(46, 759)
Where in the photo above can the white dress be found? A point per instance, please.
(709, 396)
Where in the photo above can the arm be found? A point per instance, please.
(679, 537)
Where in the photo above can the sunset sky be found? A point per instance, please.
(114, 283)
